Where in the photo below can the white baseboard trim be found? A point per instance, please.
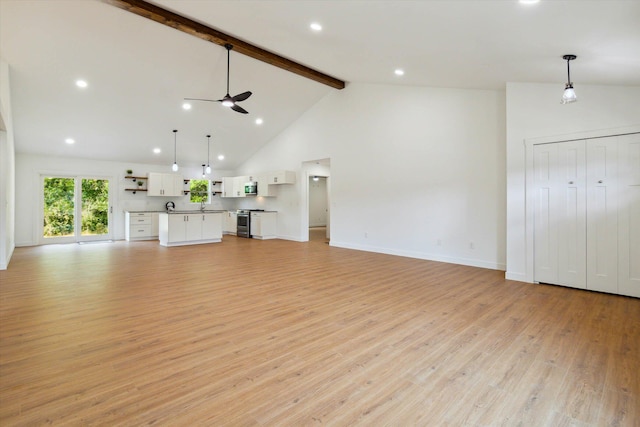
(292, 238)
(518, 277)
(421, 255)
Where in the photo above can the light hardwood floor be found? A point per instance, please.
(278, 333)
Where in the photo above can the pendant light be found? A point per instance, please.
(175, 159)
(203, 171)
(208, 169)
(569, 94)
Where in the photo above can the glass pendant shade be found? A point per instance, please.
(174, 167)
(208, 169)
(569, 95)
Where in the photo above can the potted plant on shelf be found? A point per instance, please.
(140, 183)
(129, 172)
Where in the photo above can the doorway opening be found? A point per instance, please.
(75, 209)
(316, 218)
(318, 208)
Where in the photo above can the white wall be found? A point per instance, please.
(7, 170)
(534, 111)
(415, 171)
(30, 168)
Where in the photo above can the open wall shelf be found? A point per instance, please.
(135, 178)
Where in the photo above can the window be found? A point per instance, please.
(199, 191)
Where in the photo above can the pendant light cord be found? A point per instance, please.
(175, 155)
(208, 155)
(568, 72)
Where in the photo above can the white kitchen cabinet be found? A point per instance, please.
(281, 177)
(227, 186)
(230, 223)
(165, 184)
(263, 225)
(211, 226)
(141, 226)
(176, 228)
(586, 204)
(238, 185)
(233, 186)
(264, 189)
(190, 228)
(193, 226)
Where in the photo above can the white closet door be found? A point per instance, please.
(560, 219)
(572, 215)
(629, 215)
(602, 215)
(545, 161)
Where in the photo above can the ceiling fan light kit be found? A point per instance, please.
(228, 100)
(569, 94)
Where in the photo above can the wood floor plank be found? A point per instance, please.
(280, 333)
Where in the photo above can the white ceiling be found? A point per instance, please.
(139, 71)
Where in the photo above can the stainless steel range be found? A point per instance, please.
(244, 222)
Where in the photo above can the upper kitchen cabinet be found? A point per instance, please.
(165, 184)
(281, 177)
(233, 186)
(238, 185)
(264, 189)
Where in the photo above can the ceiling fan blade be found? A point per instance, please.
(239, 109)
(241, 96)
(201, 99)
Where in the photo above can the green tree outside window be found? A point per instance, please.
(199, 191)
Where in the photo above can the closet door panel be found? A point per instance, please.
(629, 215)
(602, 215)
(572, 218)
(545, 229)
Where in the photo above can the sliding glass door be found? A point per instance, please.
(75, 209)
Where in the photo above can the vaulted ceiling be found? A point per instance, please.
(139, 71)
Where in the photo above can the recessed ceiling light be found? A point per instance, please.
(70, 141)
(528, 1)
(81, 83)
(399, 72)
(157, 150)
(315, 26)
(186, 106)
(259, 121)
(221, 157)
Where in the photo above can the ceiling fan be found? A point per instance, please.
(228, 101)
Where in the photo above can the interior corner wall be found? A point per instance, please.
(7, 170)
(534, 111)
(415, 171)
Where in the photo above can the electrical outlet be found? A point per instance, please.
(472, 245)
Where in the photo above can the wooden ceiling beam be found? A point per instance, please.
(189, 26)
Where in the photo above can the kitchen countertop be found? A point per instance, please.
(195, 211)
(179, 211)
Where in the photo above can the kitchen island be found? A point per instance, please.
(180, 228)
